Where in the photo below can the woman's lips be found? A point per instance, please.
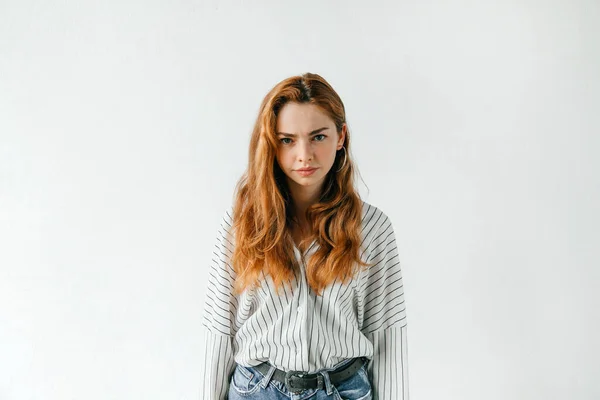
(306, 172)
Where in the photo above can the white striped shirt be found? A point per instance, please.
(301, 331)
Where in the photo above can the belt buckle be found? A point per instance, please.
(288, 380)
(299, 374)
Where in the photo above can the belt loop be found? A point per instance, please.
(267, 378)
(328, 385)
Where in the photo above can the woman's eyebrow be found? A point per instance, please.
(311, 133)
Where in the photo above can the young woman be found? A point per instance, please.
(305, 296)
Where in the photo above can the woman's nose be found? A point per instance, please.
(305, 151)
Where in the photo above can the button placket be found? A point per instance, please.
(303, 315)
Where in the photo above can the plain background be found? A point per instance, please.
(124, 127)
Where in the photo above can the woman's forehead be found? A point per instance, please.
(303, 119)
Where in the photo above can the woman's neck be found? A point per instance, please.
(302, 198)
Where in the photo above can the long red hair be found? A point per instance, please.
(262, 208)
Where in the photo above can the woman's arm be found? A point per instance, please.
(220, 308)
(217, 366)
(384, 317)
(388, 370)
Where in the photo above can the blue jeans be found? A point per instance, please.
(249, 384)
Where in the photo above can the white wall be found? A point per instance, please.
(124, 127)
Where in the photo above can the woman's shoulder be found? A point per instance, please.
(225, 226)
(376, 227)
(373, 216)
(227, 214)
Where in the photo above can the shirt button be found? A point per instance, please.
(299, 310)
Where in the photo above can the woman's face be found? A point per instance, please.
(307, 139)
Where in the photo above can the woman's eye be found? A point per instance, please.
(321, 138)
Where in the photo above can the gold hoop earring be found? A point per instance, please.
(345, 158)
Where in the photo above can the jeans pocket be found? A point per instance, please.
(357, 387)
(245, 381)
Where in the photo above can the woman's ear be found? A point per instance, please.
(342, 137)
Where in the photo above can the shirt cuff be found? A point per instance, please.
(388, 369)
(217, 366)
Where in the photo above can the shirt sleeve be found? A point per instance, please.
(388, 370)
(217, 366)
(384, 317)
(220, 307)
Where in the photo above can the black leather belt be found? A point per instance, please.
(297, 381)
